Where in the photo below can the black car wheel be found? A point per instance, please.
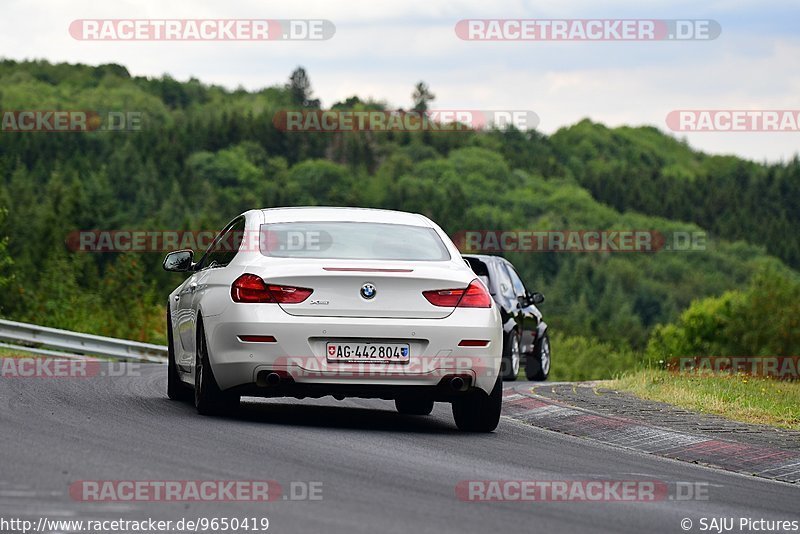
(509, 366)
(208, 398)
(176, 389)
(538, 365)
(479, 412)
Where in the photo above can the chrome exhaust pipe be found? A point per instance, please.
(273, 379)
(457, 383)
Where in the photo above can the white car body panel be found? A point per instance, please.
(335, 311)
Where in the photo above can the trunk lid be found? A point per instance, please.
(348, 288)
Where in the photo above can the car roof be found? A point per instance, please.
(335, 214)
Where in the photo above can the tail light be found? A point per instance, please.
(474, 296)
(251, 288)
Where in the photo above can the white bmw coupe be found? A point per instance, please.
(348, 302)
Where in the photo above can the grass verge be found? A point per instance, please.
(6, 352)
(739, 397)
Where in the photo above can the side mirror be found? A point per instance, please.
(179, 261)
(536, 298)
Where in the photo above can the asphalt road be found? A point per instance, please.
(380, 471)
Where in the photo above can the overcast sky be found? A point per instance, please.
(382, 48)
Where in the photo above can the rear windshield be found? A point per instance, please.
(352, 241)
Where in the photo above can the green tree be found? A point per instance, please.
(761, 320)
(422, 96)
(299, 87)
(6, 262)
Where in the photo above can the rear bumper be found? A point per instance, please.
(299, 353)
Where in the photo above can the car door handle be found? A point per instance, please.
(192, 286)
(177, 297)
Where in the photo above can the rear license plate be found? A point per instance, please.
(368, 352)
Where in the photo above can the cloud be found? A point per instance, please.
(382, 48)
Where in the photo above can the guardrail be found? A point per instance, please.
(67, 344)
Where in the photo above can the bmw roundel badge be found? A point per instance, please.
(368, 291)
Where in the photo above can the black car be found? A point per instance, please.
(524, 331)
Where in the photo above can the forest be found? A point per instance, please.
(201, 154)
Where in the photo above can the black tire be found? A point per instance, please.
(537, 367)
(479, 412)
(176, 389)
(512, 356)
(410, 406)
(208, 398)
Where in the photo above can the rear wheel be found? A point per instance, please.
(414, 406)
(208, 398)
(479, 412)
(176, 389)
(509, 365)
(537, 367)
